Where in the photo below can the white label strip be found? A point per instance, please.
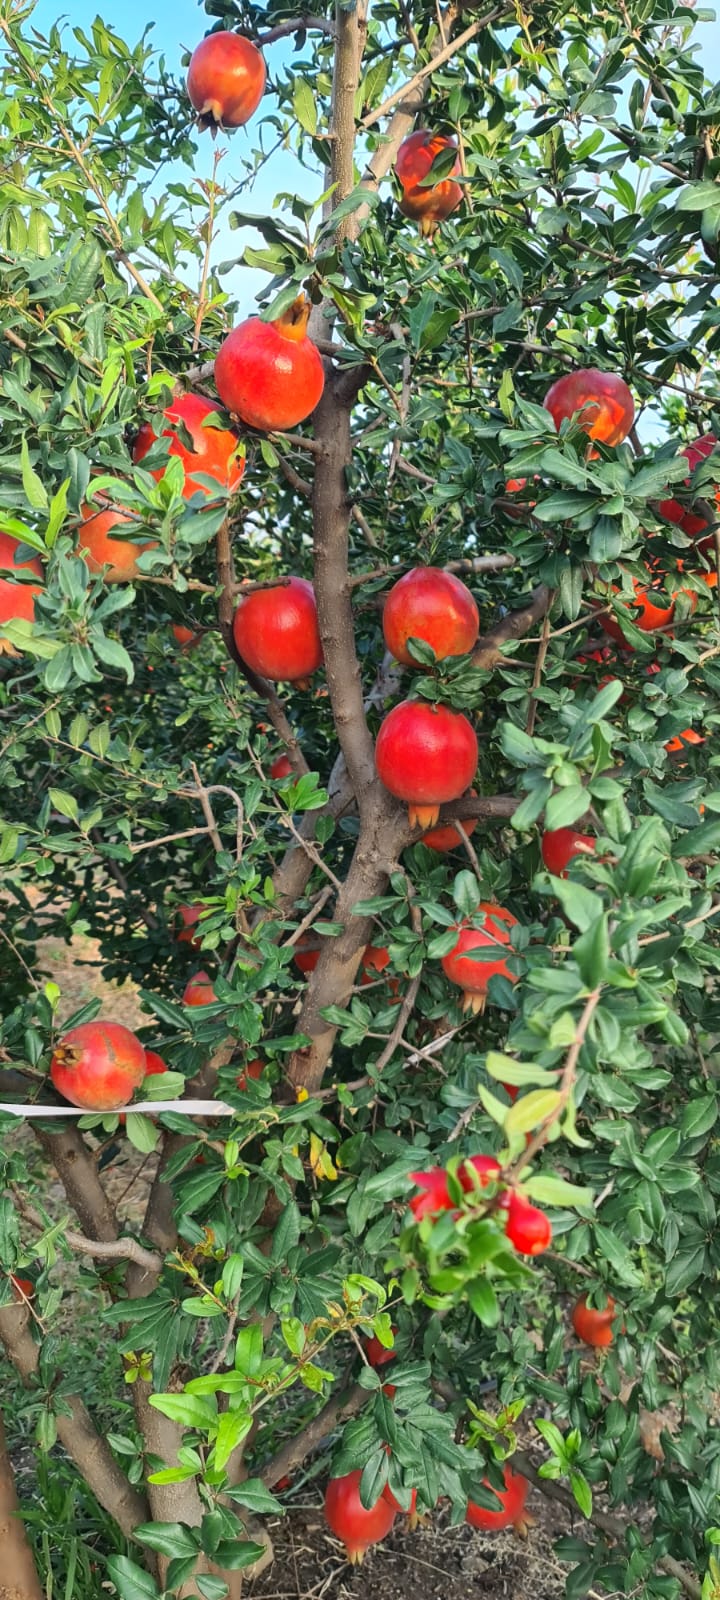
(183, 1108)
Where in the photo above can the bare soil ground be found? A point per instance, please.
(436, 1562)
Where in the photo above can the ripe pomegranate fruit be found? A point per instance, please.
(189, 917)
(403, 1511)
(349, 1520)
(282, 768)
(471, 975)
(431, 205)
(605, 404)
(378, 1356)
(594, 1327)
(512, 1505)
(648, 611)
(269, 373)
(527, 1228)
(213, 449)
(375, 959)
(436, 1195)
(254, 1069)
(306, 956)
(98, 1066)
(226, 80)
(434, 606)
(185, 637)
(22, 1288)
(17, 600)
(682, 516)
(199, 990)
(425, 754)
(447, 837)
(559, 846)
(276, 632)
(154, 1064)
(118, 558)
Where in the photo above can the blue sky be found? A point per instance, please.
(178, 26)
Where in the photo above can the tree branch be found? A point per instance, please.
(437, 60)
(515, 625)
(77, 1172)
(77, 1433)
(20, 1575)
(110, 1250)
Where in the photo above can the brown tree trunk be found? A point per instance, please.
(18, 1574)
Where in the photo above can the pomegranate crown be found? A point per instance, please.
(292, 324)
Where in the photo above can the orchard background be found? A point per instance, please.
(177, 1367)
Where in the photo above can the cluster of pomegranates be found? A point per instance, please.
(527, 1228)
(359, 1526)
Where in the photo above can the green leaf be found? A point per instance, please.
(530, 1110)
(233, 1427)
(35, 492)
(255, 1497)
(484, 1302)
(551, 1191)
(582, 1493)
(141, 1132)
(617, 1254)
(66, 804)
(131, 1581)
(193, 1411)
(168, 1538)
(305, 104)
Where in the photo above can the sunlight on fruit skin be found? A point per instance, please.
(432, 204)
(226, 80)
(214, 449)
(270, 374)
(116, 558)
(602, 400)
(426, 755)
(98, 1065)
(276, 632)
(349, 1520)
(434, 606)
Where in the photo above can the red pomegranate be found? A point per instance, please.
(189, 917)
(559, 846)
(154, 1064)
(605, 404)
(648, 611)
(472, 975)
(447, 837)
(185, 637)
(425, 754)
(377, 1354)
(375, 959)
(512, 1505)
(23, 1288)
(276, 632)
(404, 1511)
(516, 486)
(527, 1228)
(226, 80)
(282, 768)
(594, 1327)
(213, 452)
(98, 1066)
(254, 1069)
(433, 204)
(682, 516)
(346, 1515)
(199, 990)
(436, 1196)
(117, 558)
(269, 373)
(17, 600)
(306, 956)
(431, 605)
